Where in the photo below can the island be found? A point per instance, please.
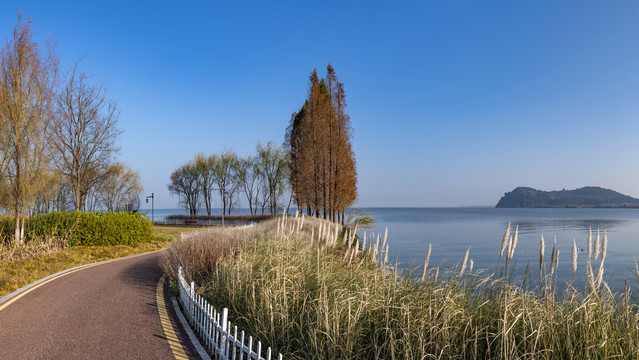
(586, 197)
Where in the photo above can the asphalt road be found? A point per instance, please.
(108, 311)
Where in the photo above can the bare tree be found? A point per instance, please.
(185, 183)
(85, 134)
(248, 180)
(272, 166)
(63, 198)
(206, 168)
(226, 179)
(263, 200)
(27, 83)
(45, 199)
(120, 189)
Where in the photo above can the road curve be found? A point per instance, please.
(108, 311)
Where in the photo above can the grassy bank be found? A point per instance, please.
(24, 265)
(327, 299)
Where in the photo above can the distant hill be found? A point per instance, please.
(586, 197)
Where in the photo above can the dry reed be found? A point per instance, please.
(307, 299)
(574, 258)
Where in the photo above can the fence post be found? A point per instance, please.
(201, 316)
(179, 279)
(192, 299)
(225, 330)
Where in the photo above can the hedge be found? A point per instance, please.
(80, 228)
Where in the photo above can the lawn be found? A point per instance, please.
(18, 272)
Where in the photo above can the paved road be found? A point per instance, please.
(107, 311)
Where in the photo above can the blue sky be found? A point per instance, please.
(453, 103)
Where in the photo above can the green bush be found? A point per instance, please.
(90, 229)
(110, 229)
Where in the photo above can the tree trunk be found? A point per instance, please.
(24, 211)
(17, 230)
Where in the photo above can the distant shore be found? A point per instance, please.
(254, 218)
(589, 197)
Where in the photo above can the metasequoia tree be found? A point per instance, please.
(343, 174)
(185, 183)
(85, 134)
(323, 176)
(27, 82)
(120, 189)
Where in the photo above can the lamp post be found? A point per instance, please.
(223, 196)
(152, 206)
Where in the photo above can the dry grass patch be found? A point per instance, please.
(198, 252)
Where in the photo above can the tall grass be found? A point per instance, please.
(313, 290)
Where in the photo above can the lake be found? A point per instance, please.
(451, 231)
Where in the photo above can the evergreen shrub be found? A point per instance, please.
(87, 229)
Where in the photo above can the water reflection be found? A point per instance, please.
(452, 231)
(560, 225)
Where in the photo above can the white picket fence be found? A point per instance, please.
(214, 328)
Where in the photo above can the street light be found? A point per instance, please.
(152, 206)
(223, 202)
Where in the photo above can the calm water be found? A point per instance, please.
(452, 230)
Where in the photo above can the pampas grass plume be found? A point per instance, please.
(541, 256)
(594, 258)
(574, 257)
(604, 247)
(504, 241)
(589, 273)
(552, 257)
(426, 262)
(513, 244)
(463, 267)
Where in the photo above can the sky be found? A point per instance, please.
(453, 103)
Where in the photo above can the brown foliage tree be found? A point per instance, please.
(323, 176)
